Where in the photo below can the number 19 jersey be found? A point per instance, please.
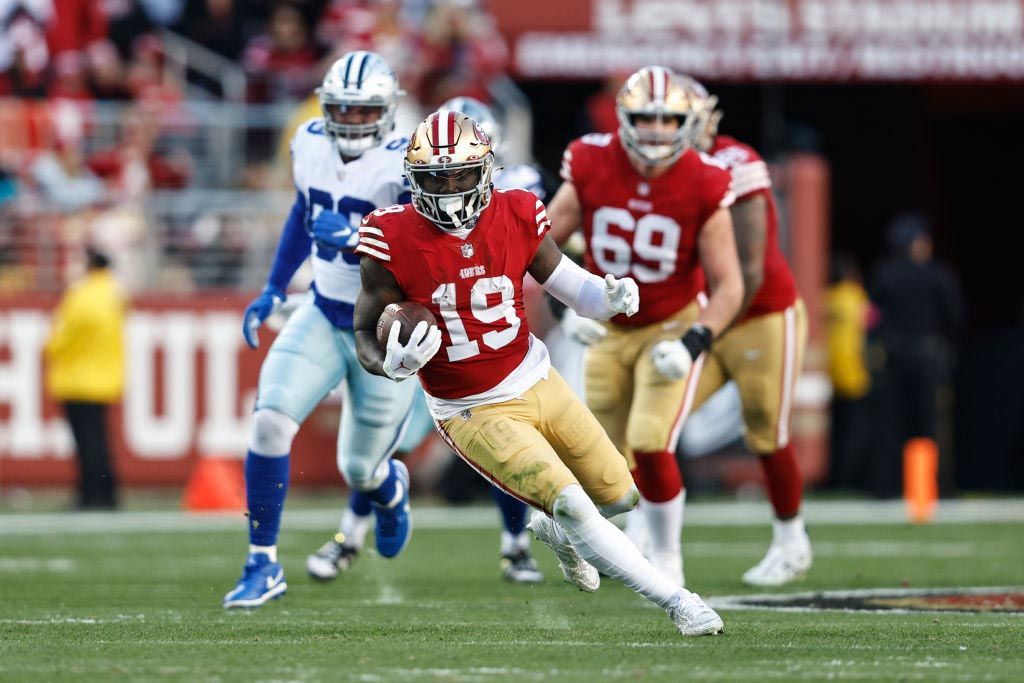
(474, 287)
(645, 228)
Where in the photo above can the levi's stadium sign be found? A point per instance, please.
(831, 40)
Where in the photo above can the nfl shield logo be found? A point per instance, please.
(467, 250)
(643, 189)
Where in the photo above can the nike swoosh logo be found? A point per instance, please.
(274, 580)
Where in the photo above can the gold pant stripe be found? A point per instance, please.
(481, 471)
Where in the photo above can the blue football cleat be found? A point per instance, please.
(394, 524)
(261, 580)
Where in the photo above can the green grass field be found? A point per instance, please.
(144, 605)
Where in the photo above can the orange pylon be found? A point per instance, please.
(921, 479)
(216, 484)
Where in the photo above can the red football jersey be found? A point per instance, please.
(750, 178)
(473, 286)
(645, 228)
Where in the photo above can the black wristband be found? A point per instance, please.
(697, 340)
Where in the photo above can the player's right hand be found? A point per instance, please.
(583, 330)
(622, 295)
(671, 359)
(261, 308)
(403, 361)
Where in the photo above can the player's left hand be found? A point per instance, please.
(671, 359)
(622, 296)
(335, 231)
(402, 361)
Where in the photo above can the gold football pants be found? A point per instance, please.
(537, 444)
(641, 410)
(763, 356)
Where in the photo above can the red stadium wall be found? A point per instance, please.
(189, 392)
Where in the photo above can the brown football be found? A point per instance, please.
(409, 313)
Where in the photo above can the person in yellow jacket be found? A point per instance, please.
(85, 373)
(846, 328)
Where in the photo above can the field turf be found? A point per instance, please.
(145, 605)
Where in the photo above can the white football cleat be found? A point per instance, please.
(786, 561)
(693, 617)
(331, 559)
(575, 569)
(670, 565)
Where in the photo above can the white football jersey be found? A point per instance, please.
(519, 177)
(375, 179)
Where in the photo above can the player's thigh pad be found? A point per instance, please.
(660, 404)
(581, 442)
(304, 363)
(764, 357)
(503, 443)
(375, 414)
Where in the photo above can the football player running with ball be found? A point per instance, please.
(653, 208)
(517, 564)
(345, 165)
(462, 250)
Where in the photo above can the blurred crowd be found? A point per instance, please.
(97, 107)
(114, 49)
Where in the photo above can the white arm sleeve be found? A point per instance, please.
(581, 291)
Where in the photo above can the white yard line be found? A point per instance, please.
(36, 564)
(844, 513)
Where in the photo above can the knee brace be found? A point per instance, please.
(272, 433)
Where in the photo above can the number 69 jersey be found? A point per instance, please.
(645, 228)
(474, 287)
(352, 189)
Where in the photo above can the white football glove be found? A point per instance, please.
(622, 296)
(583, 330)
(402, 362)
(672, 359)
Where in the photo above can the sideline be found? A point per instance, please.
(840, 513)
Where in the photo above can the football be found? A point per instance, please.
(409, 313)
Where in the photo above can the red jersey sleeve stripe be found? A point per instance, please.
(750, 177)
(370, 251)
(372, 242)
(566, 170)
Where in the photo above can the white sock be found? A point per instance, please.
(513, 543)
(603, 545)
(785, 532)
(269, 550)
(636, 528)
(664, 524)
(354, 528)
